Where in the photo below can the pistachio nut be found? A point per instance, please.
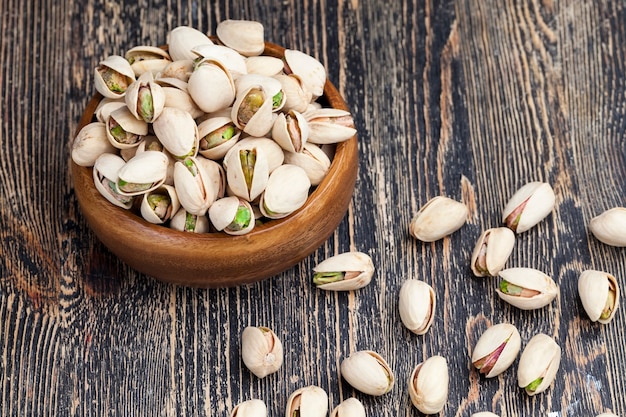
(189, 222)
(297, 97)
(310, 401)
(273, 152)
(496, 349)
(230, 59)
(528, 206)
(142, 173)
(178, 132)
(145, 98)
(538, 364)
(417, 305)
(160, 204)
(428, 385)
(344, 272)
(599, 293)
(244, 36)
(250, 408)
(290, 131)
(329, 125)
(233, 215)
(113, 76)
(182, 39)
(439, 217)
(194, 185)
(264, 65)
(484, 414)
(105, 177)
(217, 135)
(287, 190)
(247, 171)
(180, 99)
(492, 250)
(368, 372)
(252, 110)
(610, 227)
(350, 407)
(145, 58)
(90, 142)
(313, 160)
(211, 86)
(124, 130)
(526, 288)
(309, 69)
(261, 350)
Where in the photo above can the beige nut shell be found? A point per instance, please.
(491, 340)
(429, 384)
(593, 289)
(541, 358)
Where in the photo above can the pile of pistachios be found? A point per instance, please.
(210, 135)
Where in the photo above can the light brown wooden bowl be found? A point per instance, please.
(217, 259)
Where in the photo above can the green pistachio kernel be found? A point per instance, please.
(247, 157)
(242, 219)
(191, 166)
(217, 137)
(251, 103)
(534, 385)
(190, 222)
(320, 278)
(145, 104)
(160, 204)
(114, 81)
(277, 99)
(511, 289)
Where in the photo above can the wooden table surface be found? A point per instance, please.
(465, 98)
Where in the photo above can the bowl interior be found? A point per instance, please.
(217, 259)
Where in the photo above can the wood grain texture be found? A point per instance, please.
(469, 99)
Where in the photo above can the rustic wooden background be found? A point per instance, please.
(465, 98)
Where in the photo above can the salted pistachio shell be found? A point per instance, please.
(600, 295)
(312, 159)
(309, 69)
(496, 349)
(290, 131)
(310, 401)
(142, 173)
(264, 65)
(287, 190)
(180, 70)
(439, 217)
(124, 130)
(528, 206)
(273, 152)
(182, 40)
(526, 288)
(194, 185)
(179, 98)
(428, 385)
(329, 125)
(106, 106)
(492, 250)
(188, 222)
(145, 58)
(297, 96)
(113, 76)
(211, 86)
(244, 36)
(344, 272)
(233, 215)
(350, 407)
(610, 227)
(538, 364)
(261, 350)
(250, 408)
(484, 414)
(105, 177)
(217, 136)
(177, 131)
(160, 204)
(230, 59)
(417, 302)
(90, 142)
(145, 98)
(368, 372)
(247, 171)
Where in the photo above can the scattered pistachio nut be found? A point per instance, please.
(368, 372)
(599, 293)
(438, 218)
(526, 288)
(428, 385)
(538, 364)
(417, 303)
(496, 349)
(492, 250)
(610, 227)
(484, 414)
(310, 401)
(350, 407)
(250, 408)
(261, 350)
(344, 272)
(528, 206)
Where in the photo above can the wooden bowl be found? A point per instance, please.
(217, 259)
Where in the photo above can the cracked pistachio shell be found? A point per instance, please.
(223, 214)
(250, 408)
(268, 66)
(344, 272)
(181, 41)
(290, 131)
(600, 295)
(439, 217)
(492, 250)
(247, 170)
(188, 222)
(211, 86)
(297, 95)
(145, 58)
(417, 305)
(133, 129)
(142, 173)
(113, 76)
(309, 69)
(287, 190)
(312, 159)
(146, 107)
(180, 70)
(484, 414)
(217, 136)
(538, 364)
(105, 171)
(90, 142)
(177, 131)
(178, 97)
(244, 36)
(496, 349)
(273, 153)
(350, 407)
(310, 401)
(428, 385)
(368, 372)
(107, 106)
(528, 206)
(528, 288)
(261, 350)
(610, 227)
(197, 182)
(234, 62)
(160, 204)
(328, 125)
